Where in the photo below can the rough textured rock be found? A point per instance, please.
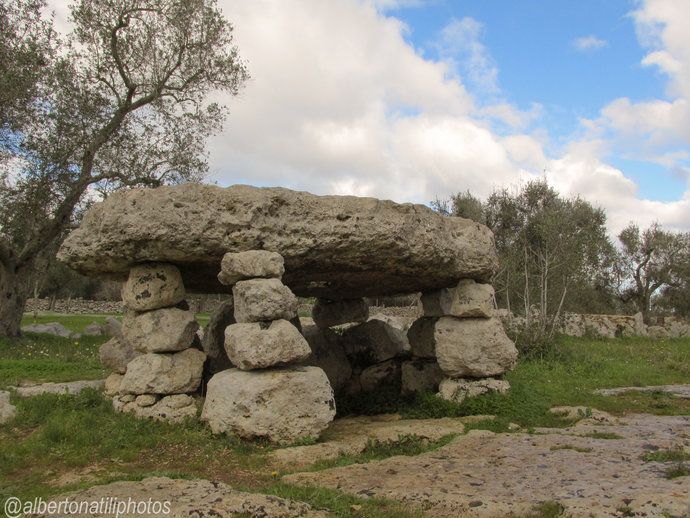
(187, 499)
(421, 376)
(252, 264)
(157, 373)
(7, 409)
(328, 313)
(94, 329)
(282, 405)
(473, 347)
(152, 286)
(260, 345)
(68, 387)
(116, 354)
(160, 331)
(458, 390)
(334, 246)
(382, 377)
(263, 299)
(372, 342)
(173, 408)
(112, 384)
(51, 328)
(483, 474)
(468, 299)
(113, 327)
(213, 342)
(351, 436)
(421, 337)
(657, 332)
(327, 353)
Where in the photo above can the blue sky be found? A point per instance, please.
(533, 44)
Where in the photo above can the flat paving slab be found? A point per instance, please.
(682, 391)
(488, 475)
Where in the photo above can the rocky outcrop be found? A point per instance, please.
(115, 354)
(152, 286)
(468, 299)
(334, 246)
(330, 313)
(157, 373)
(251, 264)
(283, 405)
(259, 300)
(473, 347)
(160, 331)
(260, 345)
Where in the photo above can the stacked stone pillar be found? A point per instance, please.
(266, 394)
(157, 366)
(469, 345)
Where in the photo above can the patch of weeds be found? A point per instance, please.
(408, 445)
(669, 455)
(546, 509)
(493, 425)
(570, 447)
(625, 510)
(340, 504)
(679, 470)
(602, 435)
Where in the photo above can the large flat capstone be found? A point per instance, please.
(335, 247)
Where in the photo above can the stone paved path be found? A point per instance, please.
(492, 475)
(682, 391)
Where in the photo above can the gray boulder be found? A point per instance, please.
(153, 286)
(115, 354)
(374, 341)
(112, 384)
(334, 247)
(160, 330)
(156, 373)
(213, 342)
(282, 405)
(263, 299)
(473, 347)
(468, 299)
(51, 328)
(382, 377)
(260, 345)
(329, 313)
(7, 409)
(113, 327)
(421, 337)
(252, 264)
(173, 408)
(94, 329)
(328, 354)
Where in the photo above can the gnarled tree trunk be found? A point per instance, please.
(13, 295)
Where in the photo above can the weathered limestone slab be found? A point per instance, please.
(115, 354)
(283, 405)
(260, 345)
(328, 313)
(681, 391)
(263, 299)
(328, 354)
(458, 390)
(186, 499)
(160, 331)
(51, 328)
(421, 376)
(157, 373)
(252, 264)
(173, 408)
(468, 299)
(334, 246)
(473, 347)
(67, 387)
(152, 286)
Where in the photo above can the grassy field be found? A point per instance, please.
(61, 443)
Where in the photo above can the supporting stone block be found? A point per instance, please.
(239, 266)
(259, 300)
(153, 286)
(468, 299)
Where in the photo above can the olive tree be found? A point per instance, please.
(121, 101)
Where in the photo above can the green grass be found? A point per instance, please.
(679, 470)
(668, 455)
(547, 509)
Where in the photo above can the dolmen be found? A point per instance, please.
(257, 371)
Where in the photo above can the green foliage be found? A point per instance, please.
(546, 509)
(667, 455)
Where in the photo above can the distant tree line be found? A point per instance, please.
(556, 256)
